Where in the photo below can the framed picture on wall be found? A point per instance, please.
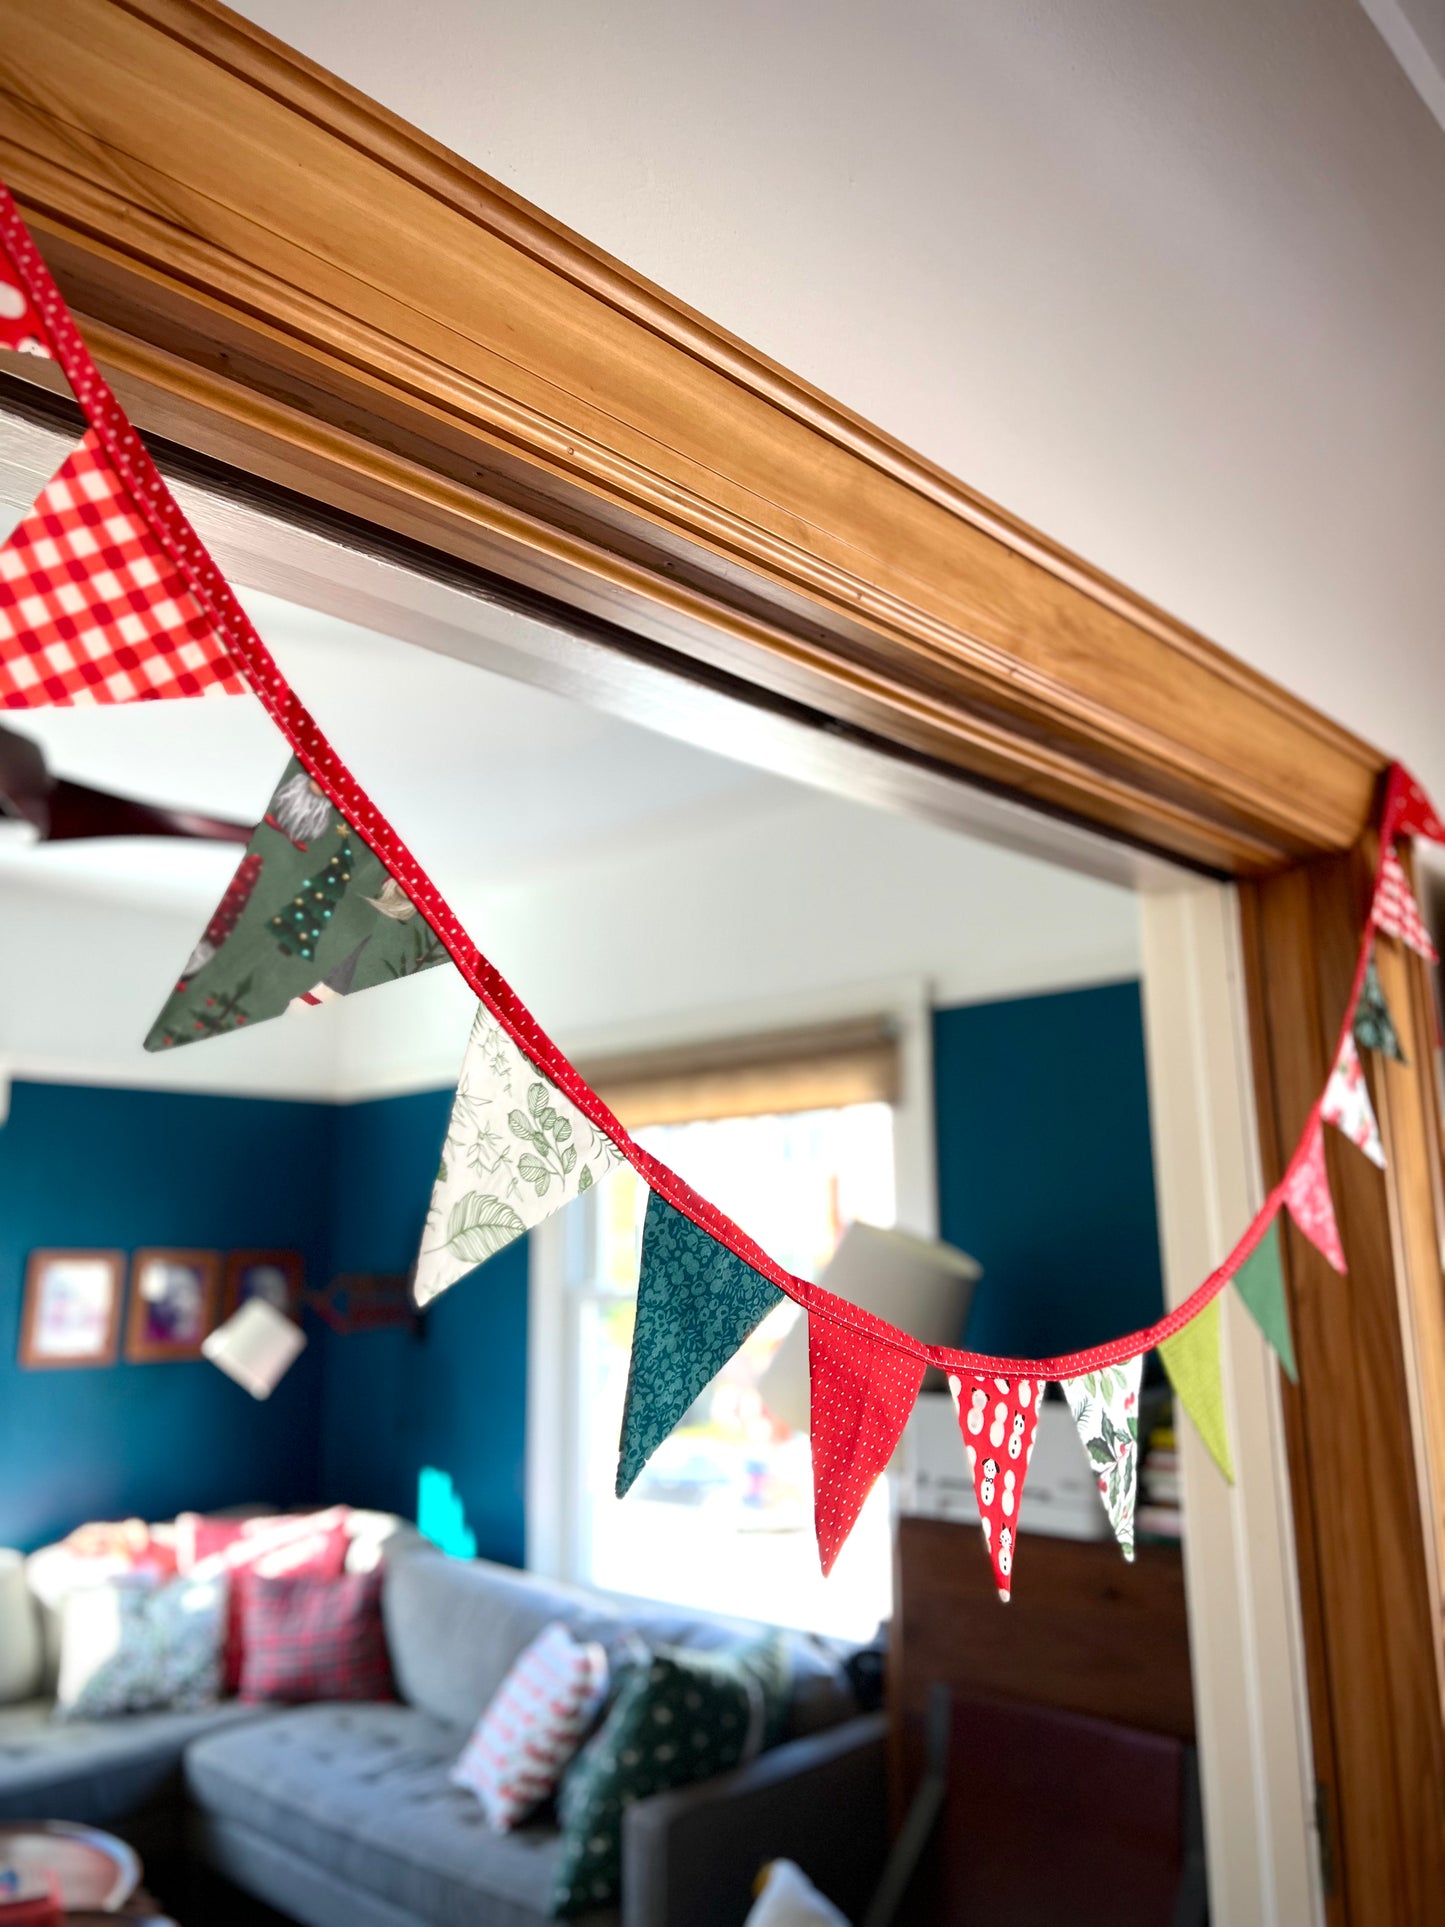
(173, 1297)
(72, 1308)
(276, 1276)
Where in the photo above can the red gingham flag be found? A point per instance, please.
(1396, 912)
(92, 610)
(862, 1392)
(20, 326)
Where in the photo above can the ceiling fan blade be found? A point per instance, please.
(75, 811)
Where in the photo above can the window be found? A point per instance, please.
(722, 1516)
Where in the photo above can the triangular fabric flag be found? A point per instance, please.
(861, 1392)
(1408, 810)
(516, 1149)
(1347, 1104)
(696, 1304)
(20, 326)
(1191, 1358)
(998, 1418)
(1105, 1405)
(1374, 1027)
(1260, 1283)
(1396, 912)
(1307, 1196)
(92, 609)
(310, 914)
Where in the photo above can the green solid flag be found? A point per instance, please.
(696, 1303)
(1260, 1283)
(1191, 1358)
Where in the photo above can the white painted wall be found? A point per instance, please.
(1165, 278)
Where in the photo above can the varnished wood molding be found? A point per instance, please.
(280, 272)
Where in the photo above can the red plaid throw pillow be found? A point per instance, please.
(313, 1639)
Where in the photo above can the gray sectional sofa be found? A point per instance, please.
(343, 1813)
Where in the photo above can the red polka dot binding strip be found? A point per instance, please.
(163, 515)
(92, 610)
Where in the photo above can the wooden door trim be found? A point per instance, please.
(332, 300)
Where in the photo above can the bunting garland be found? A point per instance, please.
(108, 595)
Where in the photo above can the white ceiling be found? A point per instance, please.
(1165, 278)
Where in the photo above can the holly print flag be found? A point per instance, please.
(1105, 1405)
(1347, 1104)
(312, 913)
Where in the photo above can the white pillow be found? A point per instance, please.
(537, 1719)
(789, 1899)
(132, 1646)
(20, 1653)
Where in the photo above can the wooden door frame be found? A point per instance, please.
(278, 274)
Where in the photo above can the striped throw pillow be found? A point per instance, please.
(536, 1721)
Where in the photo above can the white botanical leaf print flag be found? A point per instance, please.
(516, 1149)
(1105, 1405)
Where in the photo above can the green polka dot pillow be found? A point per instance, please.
(677, 1716)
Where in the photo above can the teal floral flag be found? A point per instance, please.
(1374, 1026)
(696, 1303)
(312, 913)
(1260, 1283)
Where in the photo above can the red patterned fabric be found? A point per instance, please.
(20, 326)
(533, 1726)
(862, 1392)
(312, 1544)
(1307, 1196)
(1396, 912)
(92, 609)
(313, 1639)
(1408, 810)
(1347, 1104)
(998, 1418)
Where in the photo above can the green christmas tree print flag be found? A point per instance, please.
(1191, 1358)
(310, 914)
(696, 1303)
(1374, 1026)
(1260, 1283)
(516, 1148)
(1105, 1405)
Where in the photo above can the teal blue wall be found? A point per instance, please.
(1045, 1171)
(87, 1167)
(452, 1397)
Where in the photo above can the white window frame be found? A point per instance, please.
(555, 1523)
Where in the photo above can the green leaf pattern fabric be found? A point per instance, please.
(1260, 1283)
(677, 1717)
(696, 1303)
(1374, 1026)
(1105, 1405)
(516, 1149)
(310, 914)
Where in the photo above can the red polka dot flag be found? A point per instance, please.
(862, 1392)
(998, 1418)
(92, 610)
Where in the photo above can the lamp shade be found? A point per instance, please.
(918, 1284)
(256, 1346)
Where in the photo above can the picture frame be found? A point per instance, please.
(71, 1316)
(277, 1276)
(173, 1299)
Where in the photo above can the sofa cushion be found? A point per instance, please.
(21, 1659)
(94, 1771)
(455, 1627)
(362, 1792)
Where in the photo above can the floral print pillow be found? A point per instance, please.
(134, 1647)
